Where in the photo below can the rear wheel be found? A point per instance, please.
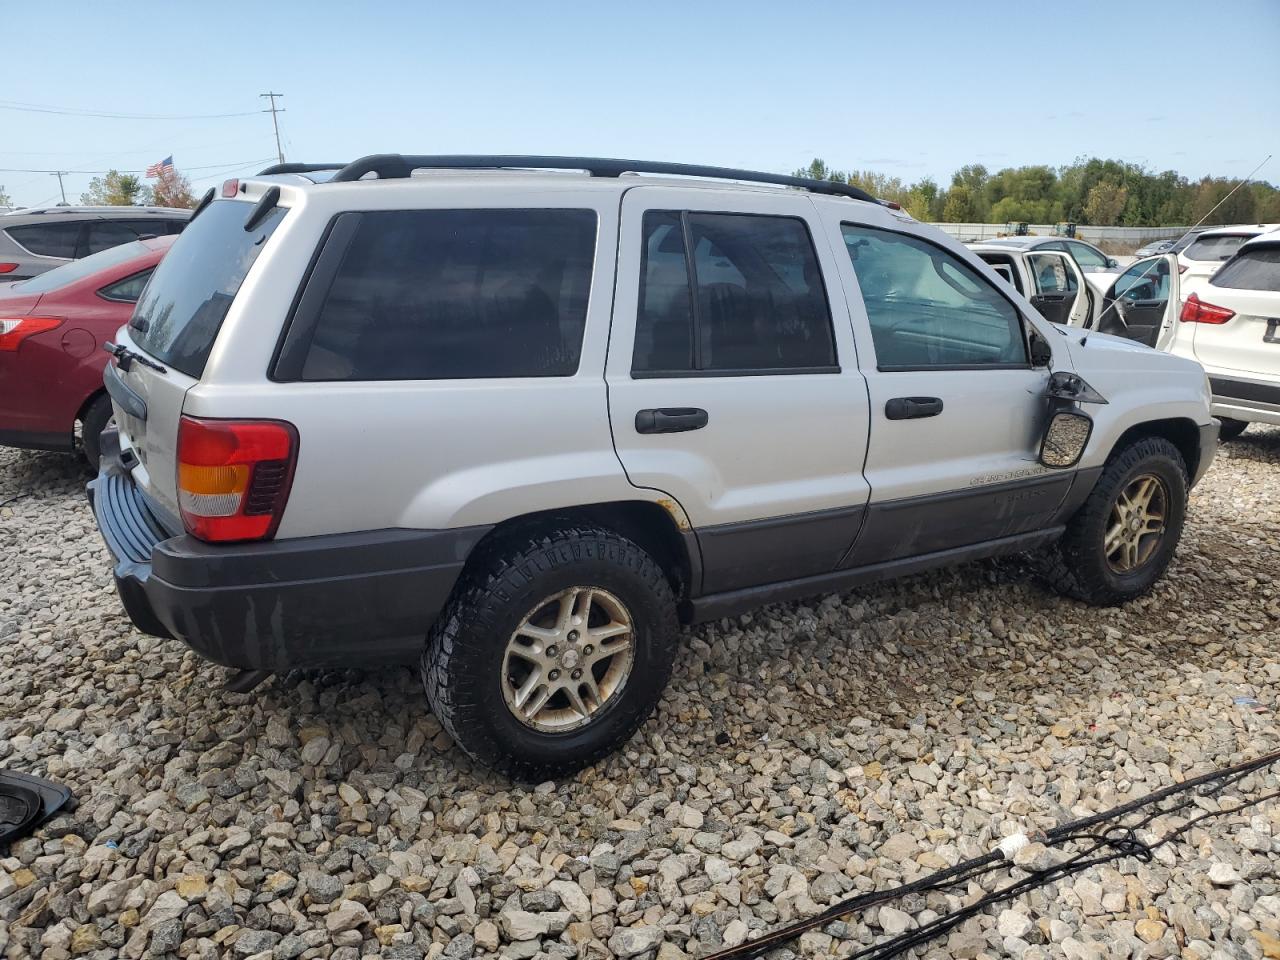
(96, 419)
(1119, 543)
(1231, 429)
(553, 653)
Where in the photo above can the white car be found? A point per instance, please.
(1051, 279)
(1212, 248)
(516, 426)
(1231, 325)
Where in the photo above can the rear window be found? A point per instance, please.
(79, 269)
(182, 308)
(48, 239)
(1215, 248)
(443, 294)
(1254, 269)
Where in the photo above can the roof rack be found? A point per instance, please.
(390, 166)
(299, 168)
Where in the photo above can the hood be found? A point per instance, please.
(1106, 352)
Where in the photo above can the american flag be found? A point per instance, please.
(161, 168)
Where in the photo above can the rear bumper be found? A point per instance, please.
(354, 599)
(1254, 401)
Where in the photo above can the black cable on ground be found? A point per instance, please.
(1119, 841)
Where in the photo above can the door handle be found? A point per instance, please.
(670, 419)
(911, 408)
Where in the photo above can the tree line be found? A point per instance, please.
(1088, 191)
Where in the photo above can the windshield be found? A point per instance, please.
(59, 277)
(181, 311)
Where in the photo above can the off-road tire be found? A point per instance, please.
(1231, 429)
(95, 420)
(462, 663)
(1077, 566)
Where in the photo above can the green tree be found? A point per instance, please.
(5, 201)
(959, 206)
(817, 170)
(116, 189)
(1105, 202)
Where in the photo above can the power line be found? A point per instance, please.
(274, 123)
(73, 112)
(209, 166)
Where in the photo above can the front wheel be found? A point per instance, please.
(550, 656)
(1119, 543)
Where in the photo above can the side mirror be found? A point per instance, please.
(1112, 263)
(1065, 439)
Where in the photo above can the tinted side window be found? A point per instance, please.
(127, 290)
(927, 307)
(440, 294)
(48, 239)
(1215, 248)
(1255, 269)
(105, 234)
(757, 302)
(1086, 256)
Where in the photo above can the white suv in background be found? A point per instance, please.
(517, 425)
(1211, 249)
(1231, 326)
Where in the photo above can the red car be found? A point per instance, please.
(52, 328)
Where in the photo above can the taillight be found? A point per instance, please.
(1196, 310)
(8, 267)
(230, 188)
(13, 330)
(234, 476)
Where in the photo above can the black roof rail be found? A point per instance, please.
(299, 168)
(390, 166)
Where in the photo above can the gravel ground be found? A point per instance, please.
(801, 754)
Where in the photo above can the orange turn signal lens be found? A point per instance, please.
(195, 478)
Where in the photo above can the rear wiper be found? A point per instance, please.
(125, 358)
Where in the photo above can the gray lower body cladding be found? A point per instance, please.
(354, 599)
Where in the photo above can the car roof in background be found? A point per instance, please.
(104, 213)
(1268, 238)
(1238, 230)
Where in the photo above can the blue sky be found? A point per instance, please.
(906, 88)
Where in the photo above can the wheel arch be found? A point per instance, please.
(653, 527)
(89, 401)
(1182, 432)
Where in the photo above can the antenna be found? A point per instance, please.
(60, 174)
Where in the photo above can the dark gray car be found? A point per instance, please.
(35, 240)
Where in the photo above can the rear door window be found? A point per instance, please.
(928, 308)
(1254, 269)
(444, 294)
(749, 300)
(48, 239)
(179, 315)
(105, 234)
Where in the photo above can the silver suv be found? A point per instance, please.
(35, 240)
(520, 417)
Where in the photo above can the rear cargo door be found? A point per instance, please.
(173, 330)
(1250, 341)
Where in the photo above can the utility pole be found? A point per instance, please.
(60, 174)
(275, 123)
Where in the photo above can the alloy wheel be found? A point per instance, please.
(1136, 525)
(568, 659)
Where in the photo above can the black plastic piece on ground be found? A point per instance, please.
(26, 802)
(243, 681)
(391, 166)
